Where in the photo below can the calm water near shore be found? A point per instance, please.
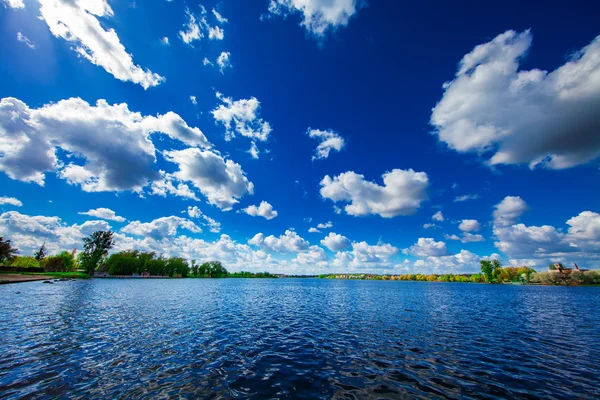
(298, 338)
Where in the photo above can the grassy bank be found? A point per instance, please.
(71, 275)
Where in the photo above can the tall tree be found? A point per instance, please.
(95, 249)
(487, 269)
(7, 251)
(41, 253)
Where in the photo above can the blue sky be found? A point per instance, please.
(422, 137)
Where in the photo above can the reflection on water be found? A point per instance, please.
(298, 338)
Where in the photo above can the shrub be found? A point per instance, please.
(62, 262)
(25, 262)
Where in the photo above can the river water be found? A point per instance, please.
(297, 338)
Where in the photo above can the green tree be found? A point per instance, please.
(95, 249)
(487, 268)
(41, 253)
(7, 251)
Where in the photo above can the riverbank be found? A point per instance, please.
(11, 277)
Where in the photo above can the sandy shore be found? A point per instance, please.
(15, 278)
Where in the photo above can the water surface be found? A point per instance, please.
(298, 338)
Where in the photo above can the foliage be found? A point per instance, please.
(212, 269)
(41, 253)
(245, 274)
(95, 249)
(62, 262)
(25, 262)
(7, 251)
(487, 268)
(135, 262)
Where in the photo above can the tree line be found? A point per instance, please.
(95, 258)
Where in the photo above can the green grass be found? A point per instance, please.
(72, 275)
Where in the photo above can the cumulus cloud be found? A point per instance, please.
(11, 200)
(24, 39)
(469, 225)
(537, 245)
(463, 261)
(14, 4)
(509, 210)
(438, 216)
(194, 212)
(76, 21)
(223, 61)
(466, 237)
(325, 225)
(402, 193)
(427, 226)
(329, 140)
(365, 253)
(165, 41)
(29, 232)
(160, 228)
(427, 247)
(104, 213)
(222, 181)
(514, 116)
(289, 242)
(264, 210)
(318, 16)
(108, 147)
(313, 230)
(335, 242)
(242, 117)
(315, 255)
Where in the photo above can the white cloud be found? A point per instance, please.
(29, 232)
(104, 213)
(222, 181)
(111, 143)
(289, 242)
(464, 261)
(196, 28)
(193, 100)
(329, 140)
(206, 61)
(402, 192)
(11, 200)
(509, 210)
(165, 41)
(253, 151)
(168, 184)
(241, 116)
(465, 197)
(160, 228)
(192, 29)
(438, 216)
(223, 61)
(219, 17)
(24, 39)
(335, 242)
(76, 21)
(427, 226)
(326, 225)
(213, 226)
(318, 16)
(466, 237)
(264, 210)
(215, 32)
(427, 247)
(365, 253)
(469, 225)
(315, 255)
(16, 4)
(533, 117)
(313, 230)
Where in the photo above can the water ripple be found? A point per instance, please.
(297, 339)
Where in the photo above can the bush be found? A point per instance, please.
(25, 262)
(63, 262)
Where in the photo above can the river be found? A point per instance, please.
(297, 338)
